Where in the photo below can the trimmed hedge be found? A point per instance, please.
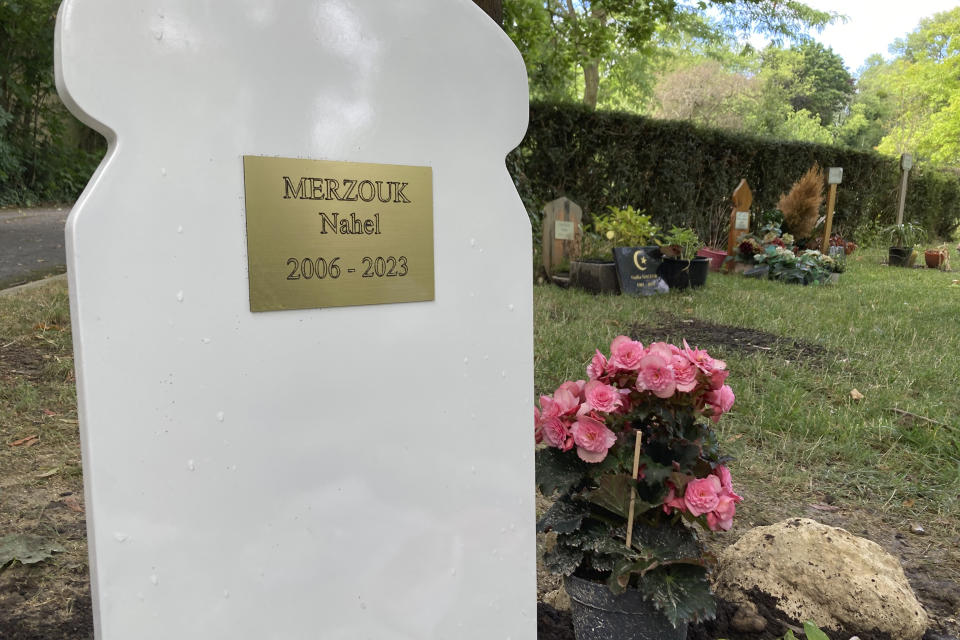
(682, 174)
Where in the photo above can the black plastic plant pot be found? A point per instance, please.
(598, 614)
(899, 256)
(598, 277)
(681, 274)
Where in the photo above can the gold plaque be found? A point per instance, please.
(336, 234)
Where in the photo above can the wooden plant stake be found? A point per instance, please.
(633, 490)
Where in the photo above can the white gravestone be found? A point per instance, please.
(348, 472)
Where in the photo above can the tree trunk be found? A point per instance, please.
(493, 8)
(591, 83)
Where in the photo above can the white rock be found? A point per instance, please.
(824, 574)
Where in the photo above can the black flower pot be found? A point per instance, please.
(680, 274)
(598, 614)
(598, 277)
(899, 256)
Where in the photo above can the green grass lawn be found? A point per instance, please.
(803, 445)
(798, 435)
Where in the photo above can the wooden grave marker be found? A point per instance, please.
(739, 215)
(562, 233)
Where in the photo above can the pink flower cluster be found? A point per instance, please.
(665, 370)
(713, 496)
(574, 416)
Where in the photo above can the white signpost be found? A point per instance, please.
(344, 472)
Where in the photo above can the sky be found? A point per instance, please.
(873, 25)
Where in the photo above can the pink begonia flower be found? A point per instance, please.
(598, 366)
(673, 501)
(566, 403)
(702, 495)
(548, 408)
(602, 397)
(592, 438)
(685, 373)
(655, 375)
(626, 353)
(663, 349)
(721, 518)
(726, 482)
(574, 387)
(720, 401)
(556, 434)
(718, 377)
(700, 358)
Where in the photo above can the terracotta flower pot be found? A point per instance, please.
(716, 257)
(934, 258)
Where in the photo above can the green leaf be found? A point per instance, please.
(813, 632)
(681, 592)
(789, 635)
(613, 494)
(558, 471)
(667, 543)
(564, 516)
(26, 549)
(562, 559)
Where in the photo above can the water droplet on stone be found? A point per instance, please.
(191, 465)
(120, 537)
(226, 594)
(159, 35)
(179, 296)
(154, 580)
(363, 605)
(510, 307)
(179, 228)
(473, 242)
(219, 416)
(512, 526)
(163, 171)
(466, 360)
(473, 470)
(205, 340)
(503, 374)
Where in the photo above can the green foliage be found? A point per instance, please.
(44, 153)
(681, 592)
(810, 267)
(679, 172)
(923, 84)
(810, 630)
(685, 240)
(907, 234)
(615, 44)
(629, 228)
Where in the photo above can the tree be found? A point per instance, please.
(704, 93)
(594, 34)
(811, 77)
(924, 85)
(40, 157)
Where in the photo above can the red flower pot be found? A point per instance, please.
(715, 255)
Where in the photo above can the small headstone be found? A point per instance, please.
(637, 271)
(314, 472)
(561, 233)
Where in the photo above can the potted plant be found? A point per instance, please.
(627, 228)
(903, 237)
(594, 269)
(681, 268)
(631, 459)
(938, 258)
